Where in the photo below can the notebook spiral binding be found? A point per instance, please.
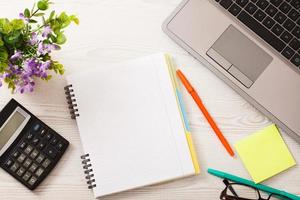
(87, 166)
(71, 100)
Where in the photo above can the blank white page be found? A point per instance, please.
(130, 124)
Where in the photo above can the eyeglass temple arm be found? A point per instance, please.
(226, 182)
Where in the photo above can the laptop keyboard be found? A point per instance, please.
(277, 22)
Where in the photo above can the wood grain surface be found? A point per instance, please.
(117, 30)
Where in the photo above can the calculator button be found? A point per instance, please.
(23, 145)
(8, 163)
(40, 158)
(60, 145)
(51, 152)
(48, 136)
(21, 158)
(41, 145)
(33, 167)
(54, 141)
(26, 176)
(46, 163)
(28, 149)
(35, 141)
(32, 180)
(16, 154)
(29, 136)
(14, 167)
(27, 163)
(39, 172)
(43, 132)
(36, 127)
(21, 171)
(34, 154)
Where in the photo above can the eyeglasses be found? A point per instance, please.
(237, 191)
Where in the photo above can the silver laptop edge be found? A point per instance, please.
(221, 75)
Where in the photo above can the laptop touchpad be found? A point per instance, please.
(240, 56)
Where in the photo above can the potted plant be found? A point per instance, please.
(26, 44)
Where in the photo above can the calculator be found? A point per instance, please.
(29, 149)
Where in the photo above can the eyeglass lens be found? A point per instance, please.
(235, 191)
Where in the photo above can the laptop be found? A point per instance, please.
(252, 45)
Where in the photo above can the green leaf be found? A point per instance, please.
(11, 84)
(58, 68)
(55, 26)
(39, 14)
(61, 38)
(50, 19)
(43, 5)
(61, 71)
(5, 26)
(56, 29)
(1, 42)
(74, 19)
(63, 16)
(12, 38)
(3, 59)
(3, 66)
(27, 13)
(3, 54)
(64, 20)
(53, 38)
(51, 15)
(32, 21)
(17, 24)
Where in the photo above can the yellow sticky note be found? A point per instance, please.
(265, 154)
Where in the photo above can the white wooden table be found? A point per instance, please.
(113, 31)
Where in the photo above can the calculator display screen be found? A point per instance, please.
(10, 127)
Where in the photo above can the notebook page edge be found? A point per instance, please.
(172, 66)
(98, 194)
(180, 138)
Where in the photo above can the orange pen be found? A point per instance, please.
(206, 114)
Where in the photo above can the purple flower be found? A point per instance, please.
(25, 82)
(30, 63)
(16, 56)
(55, 47)
(21, 16)
(34, 67)
(45, 65)
(30, 66)
(13, 70)
(6, 75)
(25, 87)
(47, 31)
(34, 39)
(44, 49)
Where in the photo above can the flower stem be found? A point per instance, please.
(32, 14)
(39, 28)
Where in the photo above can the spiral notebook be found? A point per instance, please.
(132, 125)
